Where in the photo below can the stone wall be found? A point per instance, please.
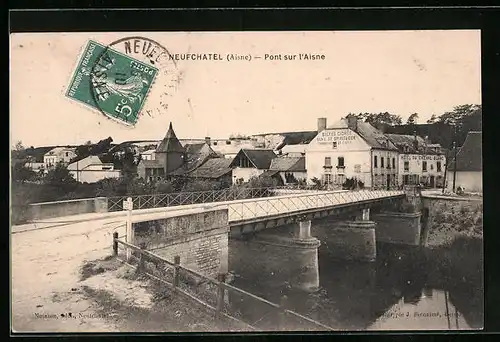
(445, 217)
(200, 239)
(40, 211)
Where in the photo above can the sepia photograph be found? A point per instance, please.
(246, 181)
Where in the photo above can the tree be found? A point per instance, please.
(412, 119)
(59, 175)
(20, 173)
(19, 146)
(432, 119)
(378, 119)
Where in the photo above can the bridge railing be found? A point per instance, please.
(245, 210)
(183, 198)
(217, 295)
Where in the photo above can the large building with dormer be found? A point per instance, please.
(352, 149)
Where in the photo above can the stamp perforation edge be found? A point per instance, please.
(94, 109)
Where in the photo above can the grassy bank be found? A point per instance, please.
(136, 303)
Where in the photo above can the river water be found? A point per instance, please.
(396, 292)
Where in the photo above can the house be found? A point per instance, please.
(250, 163)
(34, 157)
(58, 155)
(277, 141)
(148, 155)
(352, 148)
(229, 148)
(174, 159)
(168, 156)
(217, 169)
(467, 169)
(92, 169)
(288, 170)
(419, 161)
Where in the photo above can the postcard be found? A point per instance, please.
(246, 181)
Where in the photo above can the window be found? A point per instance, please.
(357, 168)
(438, 166)
(215, 143)
(328, 161)
(228, 142)
(340, 162)
(327, 178)
(432, 166)
(407, 166)
(334, 145)
(393, 163)
(381, 161)
(67, 154)
(424, 166)
(375, 161)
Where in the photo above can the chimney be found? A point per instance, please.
(352, 122)
(208, 141)
(321, 124)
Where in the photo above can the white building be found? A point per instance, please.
(148, 155)
(352, 149)
(92, 169)
(419, 162)
(289, 170)
(468, 167)
(57, 155)
(250, 163)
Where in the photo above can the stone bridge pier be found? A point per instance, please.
(349, 237)
(283, 256)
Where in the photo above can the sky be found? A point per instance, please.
(402, 72)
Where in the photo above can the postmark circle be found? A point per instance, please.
(126, 72)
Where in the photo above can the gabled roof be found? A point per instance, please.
(212, 168)
(370, 134)
(469, 156)
(261, 159)
(296, 138)
(170, 143)
(405, 140)
(290, 164)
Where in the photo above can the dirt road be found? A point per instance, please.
(45, 276)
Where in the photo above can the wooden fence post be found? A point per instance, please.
(140, 266)
(177, 262)
(221, 278)
(115, 243)
(282, 313)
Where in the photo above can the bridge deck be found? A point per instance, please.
(238, 210)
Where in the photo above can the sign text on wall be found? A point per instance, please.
(421, 157)
(344, 136)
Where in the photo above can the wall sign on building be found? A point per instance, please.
(345, 136)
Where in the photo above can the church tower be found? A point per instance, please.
(170, 152)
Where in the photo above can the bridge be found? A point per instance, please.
(221, 231)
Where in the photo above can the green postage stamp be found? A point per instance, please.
(109, 81)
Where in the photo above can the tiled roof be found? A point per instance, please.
(170, 143)
(212, 168)
(193, 162)
(261, 159)
(288, 164)
(269, 173)
(402, 140)
(370, 134)
(469, 156)
(296, 138)
(194, 148)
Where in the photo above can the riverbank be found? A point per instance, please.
(138, 304)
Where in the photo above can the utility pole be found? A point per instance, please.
(455, 158)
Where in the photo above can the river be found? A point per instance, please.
(401, 290)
